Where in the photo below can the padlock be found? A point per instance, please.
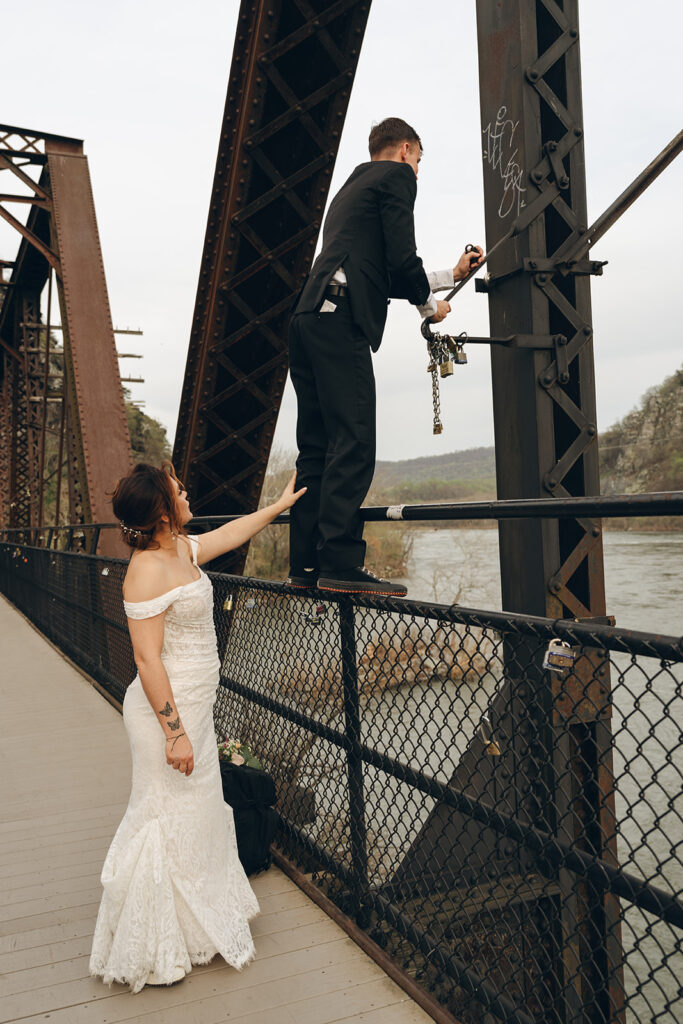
(432, 366)
(460, 356)
(446, 368)
(491, 748)
(559, 656)
(227, 604)
(437, 428)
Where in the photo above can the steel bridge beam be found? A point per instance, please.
(292, 70)
(547, 446)
(60, 240)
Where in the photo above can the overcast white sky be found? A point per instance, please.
(143, 82)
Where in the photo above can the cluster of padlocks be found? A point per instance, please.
(445, 352)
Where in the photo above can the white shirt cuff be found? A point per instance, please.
(440, 280)
(429, 307)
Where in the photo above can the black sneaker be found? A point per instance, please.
(360, 581)
(304, 579)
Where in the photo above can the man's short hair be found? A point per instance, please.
(389, 133)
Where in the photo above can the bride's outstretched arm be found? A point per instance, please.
(233, 535)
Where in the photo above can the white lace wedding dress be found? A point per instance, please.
(175, 893)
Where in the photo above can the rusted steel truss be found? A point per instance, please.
(547, 446)
(292, 70)
(63, 428)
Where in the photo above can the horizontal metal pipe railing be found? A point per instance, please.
(586, 633)
(623, 506)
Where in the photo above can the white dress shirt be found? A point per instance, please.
(439, 281)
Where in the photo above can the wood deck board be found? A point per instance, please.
(54, 835)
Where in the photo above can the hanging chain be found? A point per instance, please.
(436, 402)
(435, 350)
(444, 352)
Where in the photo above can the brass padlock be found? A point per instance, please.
(491, 748)
(432, 366)
(227, 604)
(446, 368)
(438, 428)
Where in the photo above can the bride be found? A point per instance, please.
(175, 893)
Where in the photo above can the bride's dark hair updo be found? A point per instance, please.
(141, 499)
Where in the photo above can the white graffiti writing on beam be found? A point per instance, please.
(499, 139)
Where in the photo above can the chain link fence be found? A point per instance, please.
(509, 834)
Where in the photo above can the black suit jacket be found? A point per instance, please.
(369, 231)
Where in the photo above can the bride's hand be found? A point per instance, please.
(179, 753)
(289, 496)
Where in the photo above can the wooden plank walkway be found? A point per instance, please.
(65, 784)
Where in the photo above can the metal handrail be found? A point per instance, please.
(622, 506)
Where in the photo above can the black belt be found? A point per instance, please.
(336, 290)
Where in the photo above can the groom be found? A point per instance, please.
(368, 256)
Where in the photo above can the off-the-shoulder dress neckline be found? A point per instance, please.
(191, 536)
(167, 592)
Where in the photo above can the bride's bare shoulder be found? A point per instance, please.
(146, 577)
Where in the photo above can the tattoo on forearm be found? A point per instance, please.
(168, 710)
(174, 725)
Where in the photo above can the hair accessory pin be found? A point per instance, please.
(130, 531)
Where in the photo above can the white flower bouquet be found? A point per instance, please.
(237, 752)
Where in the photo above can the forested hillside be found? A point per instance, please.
(642, 452)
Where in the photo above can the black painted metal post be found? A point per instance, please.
(359, 850)
(546, 443)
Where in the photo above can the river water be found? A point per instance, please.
(643, 577)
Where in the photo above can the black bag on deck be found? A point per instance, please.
(251, 792)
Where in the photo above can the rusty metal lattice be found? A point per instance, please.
(292, 70)
(532, 125)
(72, 392)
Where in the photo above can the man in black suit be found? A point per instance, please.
(368, 256)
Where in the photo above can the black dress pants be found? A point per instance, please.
(332, 373)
